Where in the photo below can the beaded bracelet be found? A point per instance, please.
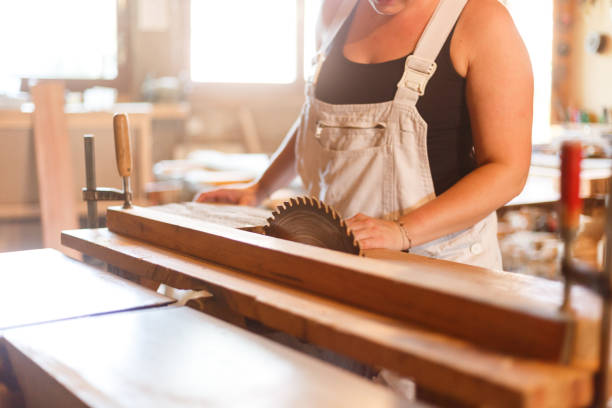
(405, 236)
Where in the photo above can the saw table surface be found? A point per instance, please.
(43, 285)
(175, 357)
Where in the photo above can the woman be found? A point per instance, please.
(417, 125)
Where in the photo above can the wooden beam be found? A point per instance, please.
(53, 164)
(437, 362)
(458, 304)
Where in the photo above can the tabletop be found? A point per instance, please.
(44, 285)
(175, 357)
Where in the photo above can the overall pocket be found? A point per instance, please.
(350, 138)
(352, 170)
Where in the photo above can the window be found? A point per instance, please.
(244, 41)
(72, 39)
(534, 21)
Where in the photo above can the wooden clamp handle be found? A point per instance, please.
(571, 205)
(123, 150)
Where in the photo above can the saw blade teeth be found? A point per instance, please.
(292, 213)
(334, 214)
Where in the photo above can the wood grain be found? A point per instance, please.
(181, 358)
(437, 362)
(53, 164)
(458, 304)
(44, 285)
(235, 216)
(531, 291)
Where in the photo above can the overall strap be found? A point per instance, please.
(420, 65)
(344, 10)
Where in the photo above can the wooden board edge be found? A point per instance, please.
(370, 284)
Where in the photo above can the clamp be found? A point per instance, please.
(93, 194)
(599, 282)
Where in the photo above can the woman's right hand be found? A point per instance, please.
(239, 195)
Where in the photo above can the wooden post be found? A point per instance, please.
(54, 165)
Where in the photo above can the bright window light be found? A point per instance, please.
(534, 21)
(59, 39)
(311, 13)
(243, 41)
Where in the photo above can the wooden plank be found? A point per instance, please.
(44, 285)
(456, 304)
(53, 164)
(520, 289)
(235, 216)
(437, 362)
(181, 358)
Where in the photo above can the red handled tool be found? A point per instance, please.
(570, 206)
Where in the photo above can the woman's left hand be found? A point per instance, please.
(375, 233)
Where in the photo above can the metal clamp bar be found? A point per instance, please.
(106, 194)
(579, 273)
(90, 180)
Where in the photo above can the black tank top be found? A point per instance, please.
(443, 107)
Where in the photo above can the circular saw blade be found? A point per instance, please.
(309, 221)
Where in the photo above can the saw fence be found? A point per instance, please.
(471, 335)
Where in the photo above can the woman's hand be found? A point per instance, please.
(241, 196)
(375, 233)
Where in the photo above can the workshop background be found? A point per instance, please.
(211, 93)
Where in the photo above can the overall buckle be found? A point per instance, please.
(416, 74)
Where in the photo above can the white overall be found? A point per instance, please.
(372, 158)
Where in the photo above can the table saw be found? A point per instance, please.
(472, 335)
(466, 335)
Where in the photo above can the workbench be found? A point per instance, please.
(17, 203)
(72, 335)
(175, 357)
(478, 337)
(42, 286)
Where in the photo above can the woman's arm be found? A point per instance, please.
(488, 50)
